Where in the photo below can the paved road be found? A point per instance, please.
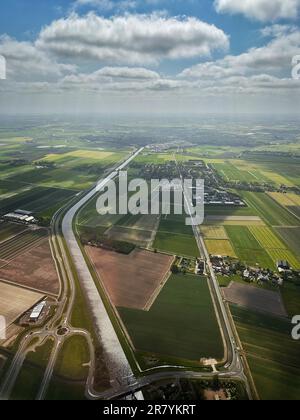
(236, 365)
(123, 379)
(116, 360)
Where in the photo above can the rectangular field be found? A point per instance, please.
(269, 210)
(255, 299)
(214, 232)
(8, 230)
(18, 245)
(131, 280)
(290, 201)
(234, 220)
(34, 269)
(15, 301)
(36, 200)
(291, 236)
(272, 354)
(181, 323)
(247, 248)
(181, 245)
(135, 236)
(220, 247)
(267, 238)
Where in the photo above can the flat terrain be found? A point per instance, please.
(181, 323)
(136, 236)
(214, 232)
(270, 211)
(247, 247)
(130, 280)
(234, 220)
(272, 354)
(290, 201)
(34, 269)
(176, 244)
(14, 301)
(291, 236)
(8, 230)
(220, 247)
(18, 245)
(255, 299)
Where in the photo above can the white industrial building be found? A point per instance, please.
(37, 311)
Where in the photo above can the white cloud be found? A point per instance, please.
(262, 10)
(274, 58)
(108, 74)
(131, 39)
(26, 62)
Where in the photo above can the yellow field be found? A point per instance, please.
(15, 301)
(274, 246)
(233, 221)
(82, 154)
(89, 154)
(278, 179)
(267, 238)
(284, 254)
(288, 200)
(213, 232)
(220, 247)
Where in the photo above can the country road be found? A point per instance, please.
(123, 381)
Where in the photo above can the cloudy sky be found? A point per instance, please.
(155, 56)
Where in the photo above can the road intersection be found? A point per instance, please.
(123, 382)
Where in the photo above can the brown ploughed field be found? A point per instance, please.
(34, 269)
(130, 280)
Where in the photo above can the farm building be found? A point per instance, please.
(18, 217)
(37, 311)
(283, 266)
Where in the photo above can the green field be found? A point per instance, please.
(233, 174)
(31, 375)
(269, 210)
(274, 246)
(36, 200)
(247, 248)
(181, 245)
(291, 236)
(72, 360)
(180, 324)
(272, 354)
(175, 224)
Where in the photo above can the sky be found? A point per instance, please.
(151, 56)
